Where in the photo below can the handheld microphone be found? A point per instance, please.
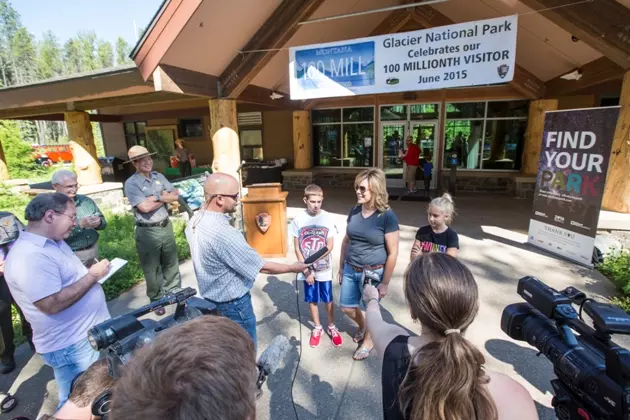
(270, 359)
(316, 256)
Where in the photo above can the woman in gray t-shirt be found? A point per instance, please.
(369, 250)
(182, 155)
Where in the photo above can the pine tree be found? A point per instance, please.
(49, 62)
(105, 54)
(122, 51)
(87, 51)
(71, 57)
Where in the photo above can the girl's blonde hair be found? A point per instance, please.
(446, 205)
(378, 187)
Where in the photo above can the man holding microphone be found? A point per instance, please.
(225, 265)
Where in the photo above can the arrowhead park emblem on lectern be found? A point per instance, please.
(503, 70)
(263, 221)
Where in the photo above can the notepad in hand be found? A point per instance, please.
(116, 264)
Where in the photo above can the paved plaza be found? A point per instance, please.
(329, 384)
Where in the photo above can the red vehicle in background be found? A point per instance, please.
(47, 155)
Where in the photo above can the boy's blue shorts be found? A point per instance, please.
(319, 291)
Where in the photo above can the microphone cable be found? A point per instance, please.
(297, 366)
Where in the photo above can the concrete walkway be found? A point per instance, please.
(329, 385)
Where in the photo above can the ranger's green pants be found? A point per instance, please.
(158, 257)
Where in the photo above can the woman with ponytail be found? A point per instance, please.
(440, 375)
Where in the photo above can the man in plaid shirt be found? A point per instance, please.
(225, 265)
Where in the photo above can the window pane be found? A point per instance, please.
(505, 109)
(140, 127)
(463, 137)
(394, 113)
(130, 128)
(465, 110)
(424, 112)
(358, 141)
(326, 141)
(142, 139)
(358, 114)
(503, 144)
(130, 140)
(320, 116)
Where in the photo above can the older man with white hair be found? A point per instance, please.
(83, 239)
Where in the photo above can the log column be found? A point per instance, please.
(617, 190)
(83, 148)
(302, 140)
(4, 168)
(224, 133)
(534, 134)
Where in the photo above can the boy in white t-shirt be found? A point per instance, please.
(313, 229)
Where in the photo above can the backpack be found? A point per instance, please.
(10, 227)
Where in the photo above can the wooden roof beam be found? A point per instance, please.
(602, 24)
(524, 82)
(178, 80)
(262, 96)
(594, 73)
(273, 34)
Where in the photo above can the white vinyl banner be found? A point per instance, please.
(466, 54)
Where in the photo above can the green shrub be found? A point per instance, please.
(616, 266)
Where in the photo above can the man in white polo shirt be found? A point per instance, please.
(59, 296)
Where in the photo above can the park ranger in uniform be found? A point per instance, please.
(149, 193)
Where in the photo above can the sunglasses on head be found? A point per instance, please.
(360, 188)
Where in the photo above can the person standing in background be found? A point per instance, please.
(149, 193)
(412, 158)
(183, 157)
(10, 228)
(83, 239)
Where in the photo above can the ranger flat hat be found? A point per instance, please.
(138, 152)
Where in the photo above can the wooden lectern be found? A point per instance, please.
(265, 214)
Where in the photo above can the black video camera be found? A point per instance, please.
(593, 372)
(122, 335)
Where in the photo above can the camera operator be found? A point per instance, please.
(60, 297)
(87, 388)
(225, 265)
(446, 378)
(202, 369)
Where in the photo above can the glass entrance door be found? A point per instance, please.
(392, 140)
(424, 135)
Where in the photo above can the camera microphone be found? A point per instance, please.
(270, 359)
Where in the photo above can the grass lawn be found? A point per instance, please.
(117, 240)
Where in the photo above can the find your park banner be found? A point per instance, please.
(465, 54)
(570, 183)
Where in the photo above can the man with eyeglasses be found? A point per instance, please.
(83, 239)
(149, 193)
(59, 296)
(225, 265)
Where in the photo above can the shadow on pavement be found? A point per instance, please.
(31, 394)
(528, 365)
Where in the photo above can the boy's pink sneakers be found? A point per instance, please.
(335, 337)
(316, 335)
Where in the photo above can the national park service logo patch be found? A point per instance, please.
(263, 221)
(503, 70)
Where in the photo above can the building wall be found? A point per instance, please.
(278, 135)
(576, 101)
(114, 140)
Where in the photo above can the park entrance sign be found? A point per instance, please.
(570, 182)
(465, 54)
